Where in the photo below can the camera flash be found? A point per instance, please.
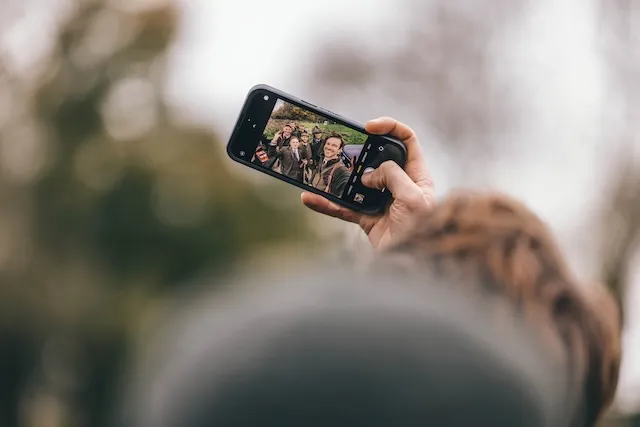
(266, 97)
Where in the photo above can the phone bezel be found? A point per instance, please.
(268, 90)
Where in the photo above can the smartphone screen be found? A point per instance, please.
(308, 147)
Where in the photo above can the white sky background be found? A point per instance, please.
(228, 46)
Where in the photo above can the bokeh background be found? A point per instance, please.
(116, 196)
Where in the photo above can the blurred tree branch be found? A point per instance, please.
(445, 71)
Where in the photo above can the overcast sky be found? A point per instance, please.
(227, 46)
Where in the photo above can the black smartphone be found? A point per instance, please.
(311, 148)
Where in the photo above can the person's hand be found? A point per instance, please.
(412, 190)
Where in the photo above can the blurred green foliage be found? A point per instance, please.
(292, 112)
(107, 201)
(350, 136)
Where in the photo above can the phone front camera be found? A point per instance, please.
(266, 97)
(242, 154)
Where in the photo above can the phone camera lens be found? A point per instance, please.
(242, 154)
(266, 97)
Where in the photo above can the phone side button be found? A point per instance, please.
(309, 103)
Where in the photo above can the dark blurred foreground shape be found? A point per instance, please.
(107, 200)
(354, 353)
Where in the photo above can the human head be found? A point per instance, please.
(304, 137)
(349, 354)
(294, 142)
(333, 146)
(286, 131)
(317, 132)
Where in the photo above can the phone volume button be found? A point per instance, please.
(335, 114)
(331, 113)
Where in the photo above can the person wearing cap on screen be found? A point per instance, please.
(316, 144)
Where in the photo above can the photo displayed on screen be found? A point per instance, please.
(309, 148)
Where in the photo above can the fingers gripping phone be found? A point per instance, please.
(312, 148)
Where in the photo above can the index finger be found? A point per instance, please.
(389, 126)
(397, 129)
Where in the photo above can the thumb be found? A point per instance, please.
(390, 175)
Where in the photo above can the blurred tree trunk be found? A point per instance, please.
(621, 229)
(621, 211)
